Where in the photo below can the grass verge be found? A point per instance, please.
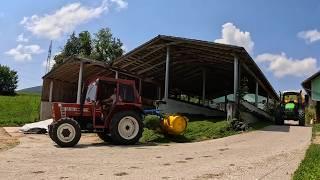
(309, 168)
(198, 129)
(7, 141)
(20, 109)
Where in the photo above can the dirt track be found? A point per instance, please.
(6, 141)
(272, 153)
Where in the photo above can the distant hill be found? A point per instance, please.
(36, 89)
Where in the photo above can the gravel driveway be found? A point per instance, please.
(271, 153)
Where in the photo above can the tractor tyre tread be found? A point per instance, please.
(301, 118)
(115, 136)
(77, 132)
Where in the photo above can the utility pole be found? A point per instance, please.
(48, 66)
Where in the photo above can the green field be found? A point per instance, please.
(309, 168)
(20, 109)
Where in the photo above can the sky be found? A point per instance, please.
(283, 37)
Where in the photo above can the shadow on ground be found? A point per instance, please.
(106, 144)
(284, 128)
(281, 128)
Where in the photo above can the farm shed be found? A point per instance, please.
(194, 72)
(61, 84)
(312, 86)
(192, 76)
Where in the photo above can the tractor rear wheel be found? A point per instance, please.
(104, 136)
(50, 130)
(301, 118)
(126, 128)
(66, 132)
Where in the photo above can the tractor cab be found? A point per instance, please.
(111, 91)
(292, 101)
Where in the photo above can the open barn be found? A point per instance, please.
(192, 76)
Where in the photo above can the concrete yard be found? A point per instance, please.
(271, 153)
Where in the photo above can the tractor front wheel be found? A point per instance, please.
(126, 128)
(301, 117)
(66, 132)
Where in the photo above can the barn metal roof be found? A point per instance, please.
(306, 84)
(68, 71)
(188, 58)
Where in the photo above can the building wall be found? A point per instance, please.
(45, 110)
(315, 89)
(61, 91)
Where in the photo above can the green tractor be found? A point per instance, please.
(291, 107)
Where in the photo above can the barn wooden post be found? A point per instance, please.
(236, 85)
(117, 75)
(50, 91)
(225, 102)
(79, 82)
(256, 94)
(204, 73)
(235, 78)
(140, 86)
(159, 93)
(166, 85)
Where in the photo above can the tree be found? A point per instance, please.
(106, 47)
(85, 43)
(8, 80)
(72, 46)
(58, 59)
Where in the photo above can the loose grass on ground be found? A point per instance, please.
(198, 129)
(309, 168)
(20, 109)
(7, 141)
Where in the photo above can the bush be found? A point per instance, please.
(310, 113)
(8, 81)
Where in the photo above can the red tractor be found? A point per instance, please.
(111, 107)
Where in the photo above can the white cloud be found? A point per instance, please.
(63, 20)
(310, 36)
(282, 66)
(121, 4)
(24, 53)
(21, 38)
(234, 36)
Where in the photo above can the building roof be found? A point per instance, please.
(188, 58)
(306, 84)
(68, 71)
